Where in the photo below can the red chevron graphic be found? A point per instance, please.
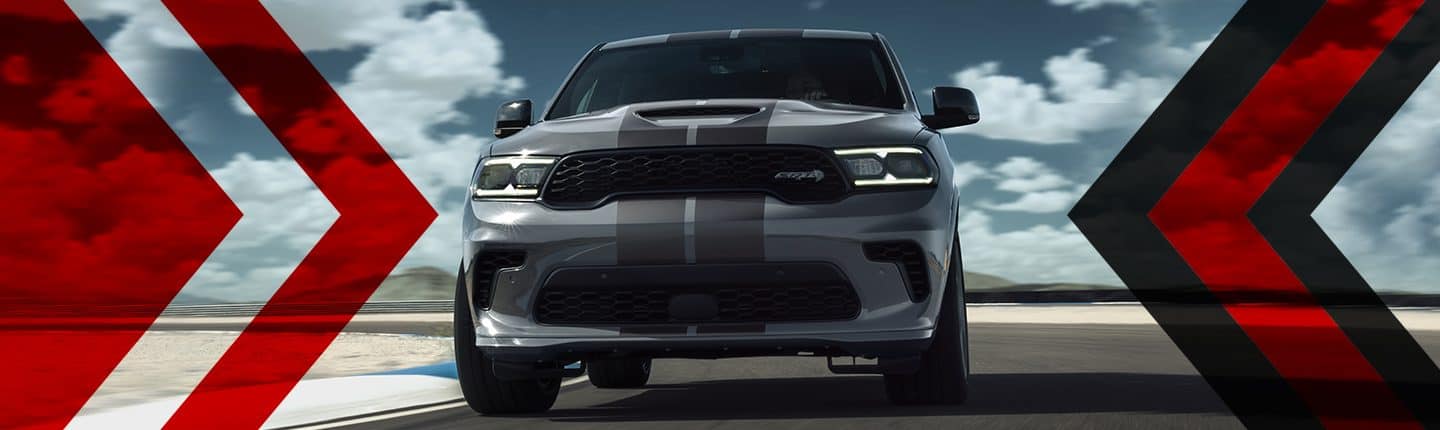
(381, 214)
(107, 214)
(1204, 214)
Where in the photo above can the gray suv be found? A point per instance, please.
(716, 194)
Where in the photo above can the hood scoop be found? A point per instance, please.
(697, 115)
(698, 111)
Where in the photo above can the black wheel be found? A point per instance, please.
(484, 392)
(944, 368)
(618, 372)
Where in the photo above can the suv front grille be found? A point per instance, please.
(483, 271)
(911, 260)
(588, 179)
(736, 304)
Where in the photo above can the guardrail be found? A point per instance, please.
(248, 309)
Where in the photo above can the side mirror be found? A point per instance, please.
(512, 117)
(954, 107)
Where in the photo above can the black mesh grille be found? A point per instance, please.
(587, 179)
(911, 260)
(699, 111)
(483, 271)
(737, 304)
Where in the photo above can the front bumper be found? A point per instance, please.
(881, 344)
(888, 321)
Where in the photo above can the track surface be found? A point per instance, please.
(1025, 376)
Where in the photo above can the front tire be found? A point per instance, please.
(618, 372)
(484, 392)
(944, 372)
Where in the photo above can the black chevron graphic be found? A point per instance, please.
(1283, 214)
(1113, 213)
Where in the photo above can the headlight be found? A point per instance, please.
(887, 166)
(511, 176)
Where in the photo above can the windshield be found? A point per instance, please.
(824, 70)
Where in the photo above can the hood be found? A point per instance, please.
(715, 122)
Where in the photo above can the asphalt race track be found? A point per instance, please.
(1025, 376)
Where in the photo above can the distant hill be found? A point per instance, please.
(980, 281)
(990, 283)
(417, 283)
(196, 299)
(1053, 286)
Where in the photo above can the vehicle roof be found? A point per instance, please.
(738, 33)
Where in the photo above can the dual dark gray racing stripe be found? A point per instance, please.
(733, 34)
(726, 227)
(650, 230)
(770, 33)
(731, 227)
(699, 35)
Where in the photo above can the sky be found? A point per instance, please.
(1062, 84)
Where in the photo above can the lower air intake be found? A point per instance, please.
(733, 304)
(483, 273)
(911, 260)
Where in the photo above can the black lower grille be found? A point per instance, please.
(911, 260)
(735, 304)
(796, 174)
(482, 272)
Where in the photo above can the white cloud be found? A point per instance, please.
(1081, 97)
(1020, 167)
(238, 103)
(284, 215)
(1343, 207)
(1037, 202)
(1037, 183)
(968, 172)
(277, 194)
(1039, 186)
(1385, 214)
(1091, 4)
(326, 25)
(815, 4)
(1025, 174)
(412, 79)
(141, 42)
(1040, 253)
(1165, 50)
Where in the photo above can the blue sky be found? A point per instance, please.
(1063, 84)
